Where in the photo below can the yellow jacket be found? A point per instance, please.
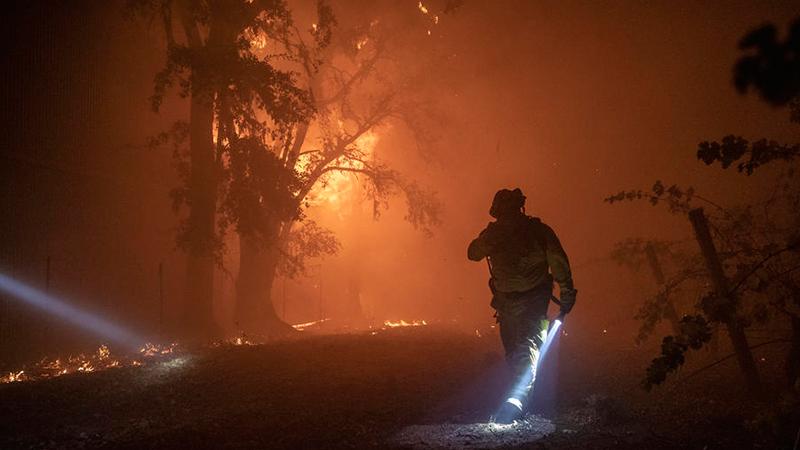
(523, 253)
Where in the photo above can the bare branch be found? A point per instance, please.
(364, 70)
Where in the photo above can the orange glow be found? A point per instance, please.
(14, 376)
(338, 185)
(102, 359)
(403, 323)
(235, 341)
(303, 326)
(154, 349)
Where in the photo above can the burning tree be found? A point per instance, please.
(356, 88)
(209, 59)
(278, 113)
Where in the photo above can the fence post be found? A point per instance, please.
(658, 274)
(735, 329)
(161, 299)
(47, 275)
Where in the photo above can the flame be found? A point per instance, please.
(403, 323)
(259, 42)
(434, 18)
(389, 324)
(102, 359)
(337, 185)
(303, 326)
(14, 376)
(236, 341)
(153, 349)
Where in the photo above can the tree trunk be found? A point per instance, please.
(199, 318)
(255, 311)
(735, 329)
(354, 313)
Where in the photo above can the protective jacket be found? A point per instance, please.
(524, 253)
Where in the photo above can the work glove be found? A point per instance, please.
(568, 297)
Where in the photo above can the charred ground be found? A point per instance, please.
(361, 391)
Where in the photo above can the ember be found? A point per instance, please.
(403, 323)
(241, 339)
(303, 326)
(100, 360)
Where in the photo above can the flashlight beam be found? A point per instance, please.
(527, 377)
(78, 317)
(551, 335)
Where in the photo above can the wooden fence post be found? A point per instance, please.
(161, 299)
(735, 329)
(47, 274)
(658, 274)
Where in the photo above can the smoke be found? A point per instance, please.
(569, 102)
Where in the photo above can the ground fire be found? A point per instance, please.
(102, 359)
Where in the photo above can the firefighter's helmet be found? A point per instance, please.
(507, 202)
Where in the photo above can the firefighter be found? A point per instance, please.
(524, 257)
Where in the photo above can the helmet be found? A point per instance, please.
(507, 202)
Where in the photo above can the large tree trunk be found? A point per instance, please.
(255, 311)
(198, 317)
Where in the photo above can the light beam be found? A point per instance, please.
(552, 334)
(525, 378)
(76, 316)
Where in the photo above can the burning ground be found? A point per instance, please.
(404, 387)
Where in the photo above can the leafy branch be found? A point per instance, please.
(733, 148)
(694, 332)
